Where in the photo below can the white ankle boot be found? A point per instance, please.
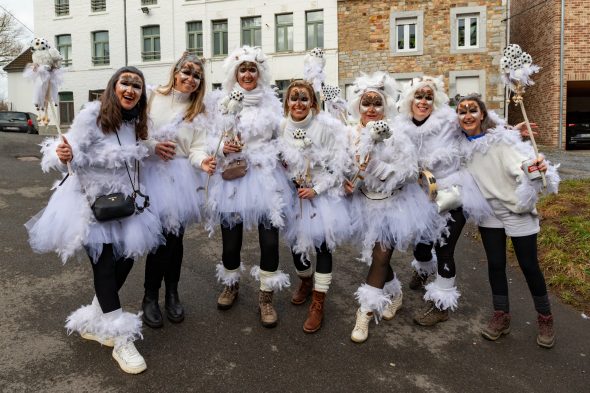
(360, 333)
(129, 359)
(392, 308)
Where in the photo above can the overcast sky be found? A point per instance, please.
(23, 11)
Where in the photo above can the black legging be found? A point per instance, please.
(380, 271)
(268, 238)
(109, 277)
(323, 260)
(445, 254)
(525, 248)
(165, 263)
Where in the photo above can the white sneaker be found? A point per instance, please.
(360, 333)
(129, 358)
(393, 307)
(109, 342)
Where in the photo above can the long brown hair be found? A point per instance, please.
(110, 117)
(315, 105)
(197, 97)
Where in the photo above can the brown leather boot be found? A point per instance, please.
(313, 323)
(268, 315)
(302, 293)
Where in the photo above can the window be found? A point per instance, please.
(406, 33)
(314, 21)
(468, 33)
(151, 43)
(194, 38)
(219, 28)
(98, 5)
(149, 2)
(62, 7)
(66, 107)
(94, 95)
(282, 87)
(63, 43)
(251, 31)
(466, 82)
(216, 86)
(100, 48)
(284, 33)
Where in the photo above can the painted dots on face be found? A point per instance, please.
(372, 100)
(299, 95)
(131, 81)
(469, 108)
(425, 94)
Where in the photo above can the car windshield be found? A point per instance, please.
(13, 116)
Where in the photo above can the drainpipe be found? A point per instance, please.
(506, 89)
(561, 56)
(125, 29)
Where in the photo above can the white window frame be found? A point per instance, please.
(453, 75)
(478, 12)
(64, 49)
(286, 31)
(406, 16)
(196, 36)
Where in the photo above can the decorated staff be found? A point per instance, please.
(313, 72)
(517, 68)
(47, 75)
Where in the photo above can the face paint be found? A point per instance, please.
(299, 103)
(422, 105)
(128, 89)
(470, 117)
(371, 107)
(247, 75)
(188, 78)
(424, 94)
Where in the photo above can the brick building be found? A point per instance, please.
(536, 27)
(462, 40)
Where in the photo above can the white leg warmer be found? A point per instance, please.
(393, 287)
(270, 281)
(228, 277)
(372, 299)
(305, 273)
(124, 327)
(443, 293)
(425, 268)
(322, 281)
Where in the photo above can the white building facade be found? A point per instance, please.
(96, 37)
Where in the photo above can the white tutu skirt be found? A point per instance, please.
(261, 196)
(67, 226)
(475, 206)
(310, 223)
(402, 220)
(176, 191)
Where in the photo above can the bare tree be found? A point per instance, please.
(10, 44)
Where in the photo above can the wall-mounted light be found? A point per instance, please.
(145, 10)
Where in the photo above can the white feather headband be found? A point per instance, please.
(246, 54)
(379, 82)
(437, 85)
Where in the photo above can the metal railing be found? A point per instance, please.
(98, 5)
(62, 9)
(101, 60)
(150, 56)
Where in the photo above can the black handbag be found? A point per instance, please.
(113, 206)
(118, 205)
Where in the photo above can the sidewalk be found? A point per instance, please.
(575, 164)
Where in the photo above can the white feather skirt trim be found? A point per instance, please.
(400, 221)
(443, 293)
(372, 298)
(176, 191)
(425, 268)
(274, 281)
(228, 277)
(325, 218)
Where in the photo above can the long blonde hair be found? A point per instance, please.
(197, 97)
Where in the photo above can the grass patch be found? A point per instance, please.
(564, 242)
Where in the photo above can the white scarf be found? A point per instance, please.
(252, 97)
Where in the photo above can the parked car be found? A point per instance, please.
(577, 132)
(18, 121)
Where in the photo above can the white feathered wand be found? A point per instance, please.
(516, 69)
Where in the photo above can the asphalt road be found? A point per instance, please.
(219, 351)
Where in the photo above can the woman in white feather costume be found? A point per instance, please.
(313, 147)
(250, 188)
(388, 208)
(431, 124)
(103, 150)
(504, 168)
(175, 176)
